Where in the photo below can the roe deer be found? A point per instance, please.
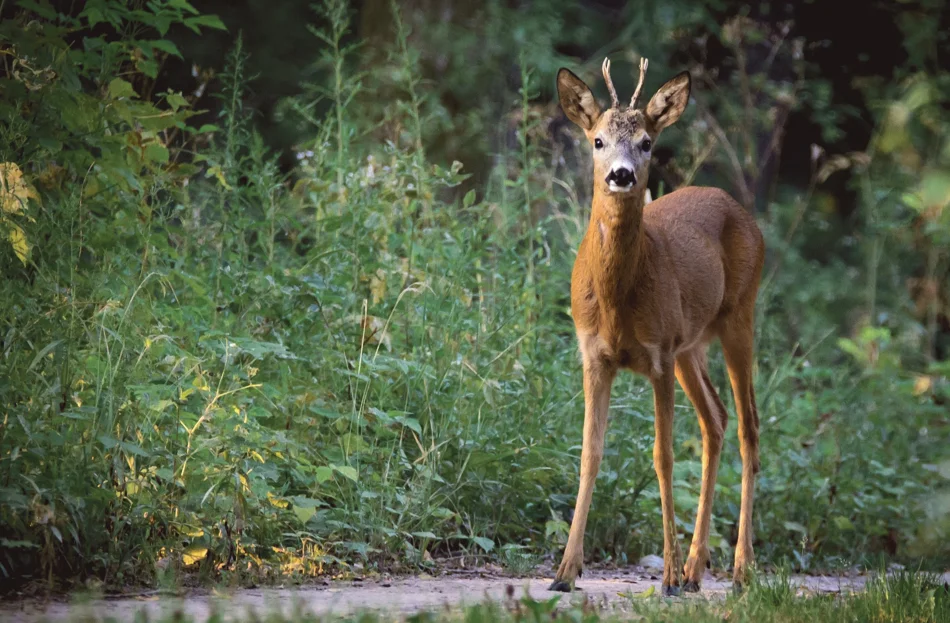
(651, 287)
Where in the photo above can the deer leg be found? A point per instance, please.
(692, 376)
(663, 463)
(737, 342)
(598, 377)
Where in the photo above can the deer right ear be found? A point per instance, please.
(577, 101)
(669, 102)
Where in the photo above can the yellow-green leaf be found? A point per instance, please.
(276, 501)
(304, 513)
(194, 555)
(15, 192)
(647, 593)
(20, 246)
(219, 174)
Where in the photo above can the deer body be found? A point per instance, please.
(652, 286)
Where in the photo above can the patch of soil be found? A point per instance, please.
(608, 588)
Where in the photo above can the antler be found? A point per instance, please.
(614, 100)
(643, 74)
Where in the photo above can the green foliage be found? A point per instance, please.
(901, 597)
(84, 116)
(213, 367)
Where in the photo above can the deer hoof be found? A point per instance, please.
(672, 591)
(560, 586)
(691, 587)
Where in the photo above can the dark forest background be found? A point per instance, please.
(284, 286)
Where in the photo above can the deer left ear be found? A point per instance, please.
(577, 101)
(669, 102)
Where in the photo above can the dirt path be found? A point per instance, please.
(612, 589)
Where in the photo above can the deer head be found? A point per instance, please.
(622, 137)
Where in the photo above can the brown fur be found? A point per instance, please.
(651, 288)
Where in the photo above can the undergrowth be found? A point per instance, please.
(212, 368)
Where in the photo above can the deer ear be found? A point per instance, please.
(577, 101)
(669, 102)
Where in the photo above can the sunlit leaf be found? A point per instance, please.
(348, 471)
(647, 593)
(276, 501)
(922, 384)
(218, 174)
(20, 245)
(15, 192)
(194, 555)
(304, 513)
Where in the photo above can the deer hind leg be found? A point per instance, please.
(692, 376)
(598, 377)
(663, 388)
(737, 344)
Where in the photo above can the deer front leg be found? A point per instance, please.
(598, 377)
(663, 463)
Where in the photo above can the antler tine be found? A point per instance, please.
(644, 63)
(614, 100)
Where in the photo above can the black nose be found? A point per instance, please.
(622, 177)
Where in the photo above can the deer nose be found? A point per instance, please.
(621, 176)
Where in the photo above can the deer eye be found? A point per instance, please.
(646, 145)
(598, 144)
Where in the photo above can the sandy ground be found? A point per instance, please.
(611, 589)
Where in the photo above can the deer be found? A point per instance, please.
(652, 286)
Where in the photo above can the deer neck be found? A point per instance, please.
(617, 243)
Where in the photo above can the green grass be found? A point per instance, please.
(252, 378)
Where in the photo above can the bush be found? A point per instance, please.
(212, 366)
